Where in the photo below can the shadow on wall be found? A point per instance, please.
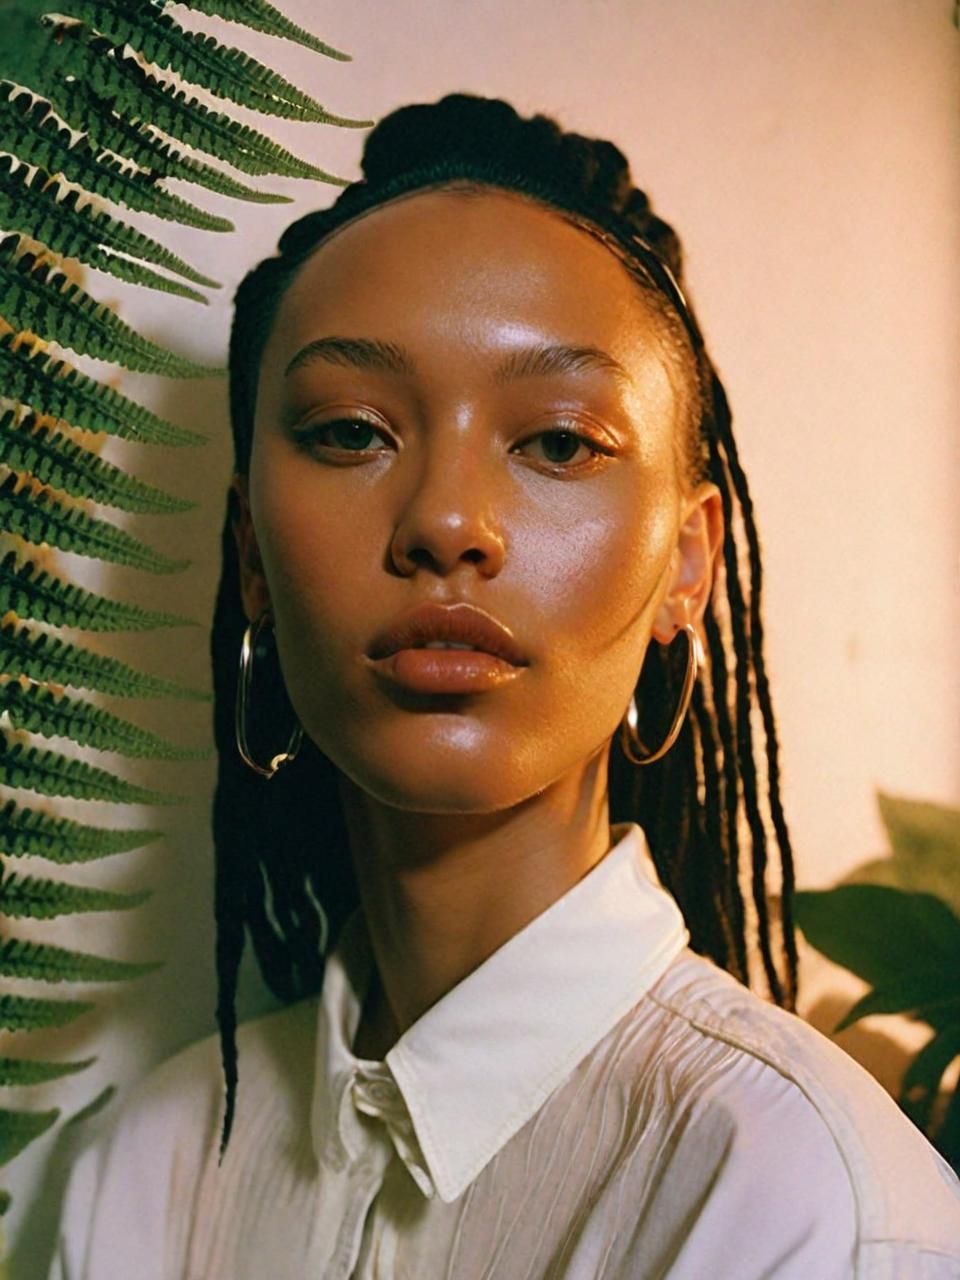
(135, 1025)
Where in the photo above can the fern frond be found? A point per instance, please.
(55, 661)
(261, 16)
(31, 130)
(19, 1128)
(46, 210)
(29, 833)
(136, 95)
(37, 517)
(154, 155)
(31, 898)
(35, 296)
(197, 58)
(53, 774)
(36, 709)
(41, 962)
(17, 1073)
(54, 459)
(32, 592)
(55, 389)
(29, 1013)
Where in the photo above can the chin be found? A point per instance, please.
(453, 790)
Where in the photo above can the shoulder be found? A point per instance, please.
(151, 1154)
(794, 1117)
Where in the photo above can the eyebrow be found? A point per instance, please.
(537, 360)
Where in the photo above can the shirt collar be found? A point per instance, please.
(475, 1067)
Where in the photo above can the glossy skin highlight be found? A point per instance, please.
(447, 489)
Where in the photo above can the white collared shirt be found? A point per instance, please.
(594, 1102)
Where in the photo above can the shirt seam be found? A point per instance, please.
(757, 1052)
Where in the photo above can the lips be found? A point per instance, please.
(453, 624)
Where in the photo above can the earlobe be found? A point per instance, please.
(699, 542)
(253, 583)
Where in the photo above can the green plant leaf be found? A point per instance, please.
(53, 774)
(44, 963)
(879, 932)
(261, 16)
(41, 710)
(54, 388)
(34, 296)
(35, 135)
(31, 898)
(32, 592)
(926, 994)
(21, 1072)
(28, 833)
(47, 210)
(155, 155)
(921, 1080)
(28, 1013)
(200, 59)
(53, 459)
(19, 1128)
(54, 661)
(39, 518)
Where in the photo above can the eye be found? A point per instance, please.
(564, 449)
(349, 435)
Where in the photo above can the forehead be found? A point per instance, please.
(446, 263)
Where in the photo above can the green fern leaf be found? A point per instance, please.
(55, 460)
(54, 661)
(30, 833)
(156, 156)
(33, 133)
(28, 897)
(54, 388)
(39, 518)
(136, 95)
(46, 210)
(28, 1013)
(42, 962)
(19, 1128)
(17, 1073)
(39, 298)
(53, 774)
(36, 709)
(31, 592)
(261, 16)
(197, 58)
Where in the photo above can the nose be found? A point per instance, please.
(448, 521)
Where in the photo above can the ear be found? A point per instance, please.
(253, 583)
(698, 545)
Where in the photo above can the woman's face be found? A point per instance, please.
(426, 469)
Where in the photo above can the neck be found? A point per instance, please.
(441, 892)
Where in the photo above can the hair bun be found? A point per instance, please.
(472, 128)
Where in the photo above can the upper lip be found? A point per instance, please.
(461, 623)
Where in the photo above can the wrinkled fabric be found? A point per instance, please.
(594, 1102)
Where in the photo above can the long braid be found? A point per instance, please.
(283, 871)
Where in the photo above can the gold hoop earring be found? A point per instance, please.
(630, 738)
(243, 690)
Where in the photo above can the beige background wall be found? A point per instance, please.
(806, 151)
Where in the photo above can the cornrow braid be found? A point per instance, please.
(283, 871)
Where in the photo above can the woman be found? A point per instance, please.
(484, 477)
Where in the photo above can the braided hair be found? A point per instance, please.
(283, 874)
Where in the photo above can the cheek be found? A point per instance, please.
(597, 566)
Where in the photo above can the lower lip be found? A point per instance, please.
(446, 670)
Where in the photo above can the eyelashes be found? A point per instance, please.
(354, 439)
